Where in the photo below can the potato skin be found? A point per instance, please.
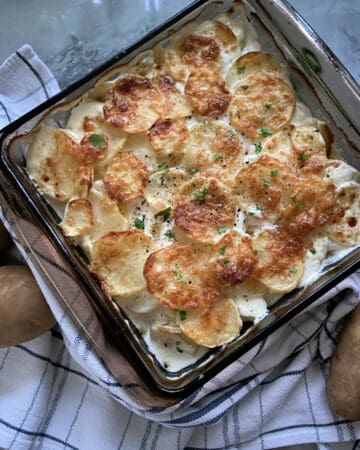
(24, 313)
(343, 387)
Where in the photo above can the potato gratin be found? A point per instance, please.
(199, 187)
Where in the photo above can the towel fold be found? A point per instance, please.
(56, 393)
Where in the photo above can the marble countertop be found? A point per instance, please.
(74, 36)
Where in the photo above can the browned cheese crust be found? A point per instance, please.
(125, 178)
(261, 104)
(167, 137)
(176, 276)
(233, 259)
(207, 92)
(203, 209)
(134, 104)
(86, 152)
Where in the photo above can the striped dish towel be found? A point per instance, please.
(55, 393)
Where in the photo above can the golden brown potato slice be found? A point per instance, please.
(266, 184)
(78, 217)
(311, 204)
(212, 145)
(207, 92)
(233, 259)
(178, 277)
(281, 260)
(163, 186)
(125, 178)
(261, 105)
(347, 229)
(279, 146)
(167, 137)
(52, 166)
(176, 106)
(133, 104)
(203, 210)
(254, 62)
(222, 34)
(91, 148)
(192, 52)
(213, 327)
(118, 259)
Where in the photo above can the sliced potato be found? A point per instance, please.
(254, 62)
(117, 260)
(125, 178)
(261, 105)
(163, 187)
(222, 34)
(233, 259)
(214, 146)
(279, 146)
(78, 217)
(176, 106)
(347, 229)
(281, 260)
(207, 92)
(133, 104)
(167, 137)
(178, 277)
(192, 52)
(213, 327)
(51, 164)
(203, 210)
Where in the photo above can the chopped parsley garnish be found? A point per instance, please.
(218, 156)
(251, 213)
(179, 276)
(169, 234)
(293, 270)
(265, 132)
(97, 141)
(201, 197)
(193, 171)
(165, 214)
(296, 202)
(274, 172)
(244, 87)
(124, 174)
(222, 230)
(258, 148)
(163, 165)
(230, 133)
(222, 250)
(163, 173)
(182, 315)
(313, 251)
(139, 224)
(303, 157)
(226, 261)
(240, 70)
(267, 106)
(266, 183)
(293, 199)
(258, 207)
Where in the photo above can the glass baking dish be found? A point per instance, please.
(320, 81)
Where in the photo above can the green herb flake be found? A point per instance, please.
(222, 230)
(293, 270)
(163, 165)
(302, 157)
(274, 172)
(266, 183)
(250, 213)
(218, 156)
(179, 276)
(97, 141)
(165, 214)
(169, 234)
(240, 70)
(230, 133)
(244, 87)
(258, 148)
(267, 106)
(178, 348)
(124, 174)
(139, 224)
(226, 261)
(265, 132)
(258, 207)
(193, 171)
(163, 173)
(222, 250)
(201, 376)
(182, 315)
(313, 251)
(201, 197)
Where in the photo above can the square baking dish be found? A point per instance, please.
(319, 80)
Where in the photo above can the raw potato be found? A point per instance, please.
(343, 388)
(24, 314)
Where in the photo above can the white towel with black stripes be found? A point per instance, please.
(56, 394)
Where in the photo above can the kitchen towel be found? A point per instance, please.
(55, 393)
